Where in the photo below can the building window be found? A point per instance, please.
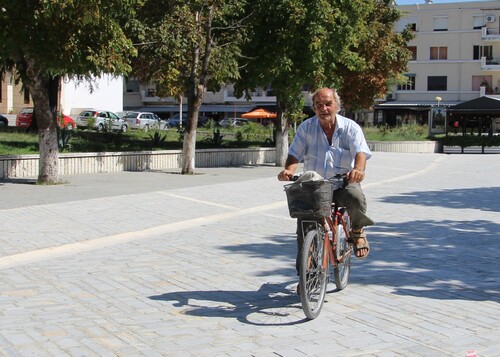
(26, 96)
(478, 81)
(441, 23)
(437, 83)
(482, 51)
(439, 53)
(478, 22)
(132, 85)
(410, 82)
(413, 50)
(407, 23)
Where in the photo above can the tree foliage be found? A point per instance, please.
(43, 41)
(383, 59)
(189, 47)
(298, 43)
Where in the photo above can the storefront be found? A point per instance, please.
(394, 113)
(477, 116)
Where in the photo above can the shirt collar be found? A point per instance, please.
(339, 127)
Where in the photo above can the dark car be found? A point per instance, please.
(3, 121)
(174, 121)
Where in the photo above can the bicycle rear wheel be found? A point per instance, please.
(312, 275)
(343, 251)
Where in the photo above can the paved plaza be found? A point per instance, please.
(163, 264)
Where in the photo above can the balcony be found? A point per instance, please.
(490, 34)
(490, 64)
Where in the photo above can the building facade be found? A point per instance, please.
(74, 96)
(13, 97)
(455, 59)
(219, 105)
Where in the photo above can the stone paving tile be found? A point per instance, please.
(206, 266)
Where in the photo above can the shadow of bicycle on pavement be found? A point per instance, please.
(274, 304)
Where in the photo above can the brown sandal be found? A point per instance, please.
(360, 243)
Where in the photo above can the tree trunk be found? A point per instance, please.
(44, 92)
(281, 137)
(195, 98)
(281, 140)
(196, 88)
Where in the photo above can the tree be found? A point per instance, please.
(384, 58)
(298, 43)
(43, 41)
(189, 47)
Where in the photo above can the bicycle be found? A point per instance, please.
(311, 201)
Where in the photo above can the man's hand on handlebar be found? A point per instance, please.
(355, 175)
(285, 175)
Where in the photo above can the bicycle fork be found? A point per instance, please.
(322, 227)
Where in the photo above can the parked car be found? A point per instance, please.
(66, 122)
(101, 120)
(174, 121)
(141, 120)
(121, 114)
(25, 117)
(3, 121)
(231, 122)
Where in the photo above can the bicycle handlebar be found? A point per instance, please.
(334, 179)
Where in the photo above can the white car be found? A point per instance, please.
(141, 120)
(233, 122)
(101, 120)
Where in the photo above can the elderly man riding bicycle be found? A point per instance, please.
(331, 144)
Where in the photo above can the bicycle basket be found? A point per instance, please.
(309, 199)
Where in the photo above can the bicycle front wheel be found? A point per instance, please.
(343, 251)
(312, 274)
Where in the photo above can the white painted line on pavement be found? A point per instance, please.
(196, 200)
(107, 241)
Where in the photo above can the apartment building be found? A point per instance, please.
(456, 59)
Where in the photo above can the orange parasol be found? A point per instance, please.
(259, 114)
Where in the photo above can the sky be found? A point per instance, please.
(413, 2)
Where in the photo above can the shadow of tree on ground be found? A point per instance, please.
(481, 198)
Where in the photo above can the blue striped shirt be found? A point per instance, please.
(311, 146)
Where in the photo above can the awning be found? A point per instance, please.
(259, 114)
(481, 105)
(413, 105)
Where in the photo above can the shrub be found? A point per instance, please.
(470, 140)
(410, 132)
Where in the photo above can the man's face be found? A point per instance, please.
(324, 105)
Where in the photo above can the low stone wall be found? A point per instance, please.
(406, 146)
(16, 166)
(19, 166)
